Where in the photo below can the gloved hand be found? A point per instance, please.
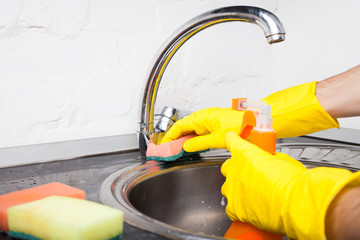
(211, 125)
(296, 111)
(277, 193)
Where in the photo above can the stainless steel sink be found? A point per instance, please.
(182, 200)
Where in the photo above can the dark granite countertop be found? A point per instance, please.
(86, 173)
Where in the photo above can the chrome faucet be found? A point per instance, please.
(267, 21)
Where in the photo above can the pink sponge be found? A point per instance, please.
(169, 151)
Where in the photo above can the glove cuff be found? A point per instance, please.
(307, 212)
(296, 111)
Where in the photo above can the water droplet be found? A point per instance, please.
(222, 201)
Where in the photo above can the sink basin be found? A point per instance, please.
(182, 199)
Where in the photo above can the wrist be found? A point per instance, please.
(338, 95)
(342, 218)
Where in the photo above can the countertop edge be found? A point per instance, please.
(48, 152)
(346, 135)
(39, 153)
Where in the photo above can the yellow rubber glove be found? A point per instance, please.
(211, 125)
(296, 111)
(277, 193)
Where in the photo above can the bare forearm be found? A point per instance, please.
(340, 95)
(343, 215)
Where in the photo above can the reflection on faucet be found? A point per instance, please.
(167, 118)
(267, 21)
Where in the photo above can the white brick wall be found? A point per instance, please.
(75, 69)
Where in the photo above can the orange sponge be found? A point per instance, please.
(32, 194)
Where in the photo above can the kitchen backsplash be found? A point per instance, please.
(76, 69)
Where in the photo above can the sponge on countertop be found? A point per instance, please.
(58, 217)
(32, 194)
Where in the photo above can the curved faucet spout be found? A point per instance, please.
(268, 22)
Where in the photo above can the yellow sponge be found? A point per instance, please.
(67, 218)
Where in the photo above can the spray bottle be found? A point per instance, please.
(264, 137)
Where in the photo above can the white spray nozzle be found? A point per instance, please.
(262, 113)
(264, 119)
(253, 105)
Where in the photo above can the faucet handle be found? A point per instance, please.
(167, 118)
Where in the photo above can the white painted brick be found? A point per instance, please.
(75, 69)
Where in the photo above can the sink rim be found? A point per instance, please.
(113, 191)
